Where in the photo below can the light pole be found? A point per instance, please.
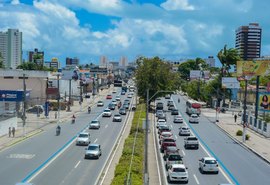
(245, 112)
(146, 177)
(58, 99)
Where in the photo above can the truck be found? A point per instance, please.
(191, 142)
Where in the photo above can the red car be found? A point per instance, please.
(109, 96)
(167, 143)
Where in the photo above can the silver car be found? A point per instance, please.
(117, 118)
(83, 139)
(92, 151)
(95, 124)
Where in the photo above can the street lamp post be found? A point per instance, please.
(245, 113)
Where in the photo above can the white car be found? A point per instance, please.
(178, 119)
(165, 135)
(107, 113)
(129, 95)
(95, 124)
(159, 112)
(177, 172)
(184, 131)
(100, 103)
(194, 118)
(92, 151)
(117, 118)
(114, 102)
(161, 122)
(117, 98)
(83, 138)
(208, 164)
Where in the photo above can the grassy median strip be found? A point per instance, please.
(121, 174)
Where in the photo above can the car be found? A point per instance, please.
(107, 113)
(194, 118)
(166, 143)
(169, 102)
(174, 158)
(162, 116)
(163, 128)
(129, 95)
(93, 151)
(109, 96)
(170, 150)
(167, 139)
(174, 112)
(159, 106)
(83, 138)
(122, 111)
(184, 131)
(171, 107)
(123, 92)
(191, 142)
(165, 135)
(36, 109)
(100, 103)
(168, 96)
(114, 91)
(111, 106)
(117, 98)
(177, 172)
(126, 106)
(159, 112)
(161, 122)
(94, 124)
(117, 118)
(208, 164)
(178, 119)
(114, 102)
(127, 101)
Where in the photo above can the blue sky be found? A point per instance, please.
(170, 29)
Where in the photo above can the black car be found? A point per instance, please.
(174, 112)
(122, 111)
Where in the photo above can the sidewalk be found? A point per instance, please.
(257, 143)
(35, 125)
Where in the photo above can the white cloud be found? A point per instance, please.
(177, 5)
(15, 2)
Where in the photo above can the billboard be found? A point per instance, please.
(13, 95)
(230, 83)
(264, 102)
(197, 74)
(253, 68)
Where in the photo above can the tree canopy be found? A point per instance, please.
(156, 75)
(1, 61)
(33, 66)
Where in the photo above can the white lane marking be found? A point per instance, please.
(106, 126)
(196, 179)
(95, 141)
(183, 153)
(77, 164)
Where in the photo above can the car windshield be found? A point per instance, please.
(94, 121)
(184, 128)
(192, 138)
(179, 170)
(174, 158)
(116, 115)
(210, 162)
(91, 147)
(83, 135)
(99, 101)
(107, 110)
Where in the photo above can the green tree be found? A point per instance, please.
(33, 66)
(1, 61)
(156, 75)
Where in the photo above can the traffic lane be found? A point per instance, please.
(74, 154)
(242, 163)
(191, 157)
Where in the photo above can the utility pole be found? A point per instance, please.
(146, 177)
(24, 104)
(245, 113)
(58, 99)
(81, 95)
(257, 99)
(69, 96)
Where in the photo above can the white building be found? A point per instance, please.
(11, 48)
(123, 62)
(103, 61)
(210, 61)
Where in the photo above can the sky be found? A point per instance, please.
(170, 29)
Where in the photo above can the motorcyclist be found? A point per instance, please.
(58, 130)
(73, 118)
(89, 110)
(178, 100)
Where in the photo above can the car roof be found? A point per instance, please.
(163, 133)
(178, 165)
(209, 158)
(93, 144)
(84, 133)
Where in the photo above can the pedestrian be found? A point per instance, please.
(9, 131)
(235, 118)
(13, 131)
(55, 115)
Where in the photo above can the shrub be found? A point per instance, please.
(247, 136)
(239, 133)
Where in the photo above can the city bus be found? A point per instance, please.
(193, 107)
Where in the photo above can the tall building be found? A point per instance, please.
(210, 61)
(103, 61)
(11, 48)
(123, 62)
(72, 62)
(36, 56)
(248, 41)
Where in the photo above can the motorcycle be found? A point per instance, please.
(58, 130)
(178, 100)
(89, 110)
(73, 120)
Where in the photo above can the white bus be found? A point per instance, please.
(193, 107)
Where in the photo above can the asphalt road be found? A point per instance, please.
(238, 165)
(29, 160)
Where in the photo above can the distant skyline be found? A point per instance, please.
(170, 29)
